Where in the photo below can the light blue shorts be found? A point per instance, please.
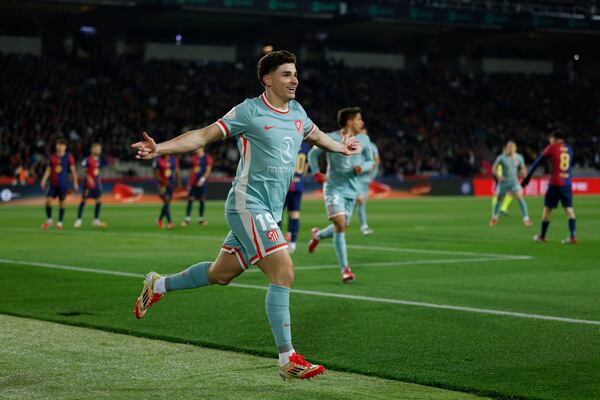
(337, 204)
(504, 187)
(252, 236)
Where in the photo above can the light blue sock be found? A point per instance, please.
(194, 277)
(339, 241)
(362, 214)
(277, 305)
(326, 232)
(496, 210)
(523, 207)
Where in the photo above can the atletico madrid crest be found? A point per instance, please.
(299, 126)
(273, 235)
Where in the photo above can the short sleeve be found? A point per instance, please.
(307, 123)
(71, 160)
(209, 160)
(237, 120)
(176, 162)
(548, 150)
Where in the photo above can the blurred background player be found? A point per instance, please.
(197, 182)
(364, 181)
(507, 199)
(59, 166)
(92, 185)
(512, 164)
(166, 172)
(560, 188)
(293, 199)
(341, 185)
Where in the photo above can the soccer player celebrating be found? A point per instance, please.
(560, 189)
(364, 180)
(294, 198)
(201, 169)
(92, 187)
(512, 164)
(59, 166)
(341, 184)
(166, 172)
(269, 130)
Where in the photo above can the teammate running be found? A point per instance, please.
(293, 199)
(269, 130)
(340, 187)
(364, 181)
(560, 188)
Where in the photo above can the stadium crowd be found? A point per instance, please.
(425, 121)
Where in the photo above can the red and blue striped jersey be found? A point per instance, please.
(561, 161)
(92, 172)
(199, 166)
(297, 184)
(166, 166)
(59, 169)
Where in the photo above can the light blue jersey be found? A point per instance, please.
(367, 176)
(510, 166)
(268, 140)
(342, 185)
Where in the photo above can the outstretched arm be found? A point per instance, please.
(532, 169)
(184, 143)
(347, 147)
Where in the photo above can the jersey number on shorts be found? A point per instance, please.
(269, 220)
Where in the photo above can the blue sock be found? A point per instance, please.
(61, 214)
(97, 210)
(497, 207)
(544, 228)
(339, 241)
(162, 212)
(168, 212)
(572, 226)
(523, 207)
(194, 277)
(49, 212)
(201, 208)
(188, 209)
(326, 232)
(277, 305)
(294, 227)
(362, 214)
(80, 210)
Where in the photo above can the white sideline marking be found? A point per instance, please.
(220, 239)
(332, 295)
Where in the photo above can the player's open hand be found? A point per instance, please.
(351, 145)
(146, 149)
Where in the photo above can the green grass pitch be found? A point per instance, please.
(441, 299)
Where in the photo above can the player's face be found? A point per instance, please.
(283, 81)
(96, 150)
(61, 148)
(511, 149)
(357, 124)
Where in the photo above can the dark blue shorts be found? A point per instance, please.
(57, 191)
(165, 191)
(554, 194)
(198, 192)
(293, 200)
(92, 193)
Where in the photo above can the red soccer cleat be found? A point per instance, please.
(347, 275)
(527, 222)
(314, 242)
(299, 368)
(161, 224)
(46, 225)
(170, 225)
(540, 239)
(493, 221)
(569, 240)
(59, 226)
(288, 236)
(147, 298)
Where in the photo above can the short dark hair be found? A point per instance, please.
(558, 134)
(61, 140)
(347, 113)
(271, 61)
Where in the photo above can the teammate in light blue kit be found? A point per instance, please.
(364, 180)
(341, 185)
(269, 130)
(512, 164)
